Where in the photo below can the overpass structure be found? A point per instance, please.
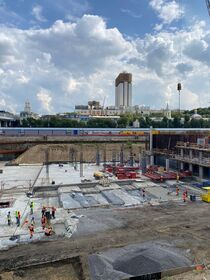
(7, 119)
(159, 142)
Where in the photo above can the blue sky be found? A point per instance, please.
(60, 53)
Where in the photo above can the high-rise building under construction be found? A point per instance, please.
(123, 90)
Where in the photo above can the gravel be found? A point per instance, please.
(135, 260)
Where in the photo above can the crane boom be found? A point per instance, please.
(208, 6)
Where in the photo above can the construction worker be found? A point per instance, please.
(31, 230)
(177, 177)
(161, 178)
(53, 212)
(186, 191)
(43, 210)
(18, 220)
(177, 191)
(9, 219)
(48, 231)
(43, 221)
(32, 207)
(143, 192)
(16, 216)
(33, 220)
(184, 196)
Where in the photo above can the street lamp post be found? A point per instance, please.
(179, 88)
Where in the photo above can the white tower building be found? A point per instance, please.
(123, 90)
(27, 107)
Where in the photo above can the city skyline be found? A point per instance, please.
(65, 53)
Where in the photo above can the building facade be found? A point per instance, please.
(123, 90)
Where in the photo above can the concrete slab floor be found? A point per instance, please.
(16, 181)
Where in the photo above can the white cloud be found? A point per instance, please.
(45, 99)
(131, 13)
(72, 85)
(71, 63)
(168, 11)
(23, 79)
(37, 13)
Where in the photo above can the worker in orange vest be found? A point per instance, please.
(31, 230)
(184, 196)
(48, 231)
(18, 220)
(43, 221)
(186, 192)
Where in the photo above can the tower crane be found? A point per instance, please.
(208, 6)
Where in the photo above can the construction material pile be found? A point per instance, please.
(135, 260)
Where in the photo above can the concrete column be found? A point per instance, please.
(81, 162)
(150, 140)
(152, 160)
(182, 153)
(167, 164)
(121, 156)
(201, 172)
(190, 167)
(97, 157)
(182, 165)
(191, 153)
(147, 161)
(200, 156)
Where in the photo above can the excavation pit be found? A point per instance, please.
(68, 269)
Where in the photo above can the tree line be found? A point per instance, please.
(125, 120)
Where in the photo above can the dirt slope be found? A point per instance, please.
(66, 152)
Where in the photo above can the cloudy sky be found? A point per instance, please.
(58, 53)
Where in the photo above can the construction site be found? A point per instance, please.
(124, 209)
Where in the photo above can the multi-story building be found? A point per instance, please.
(123, 90)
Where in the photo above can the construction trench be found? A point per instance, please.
(119, 226)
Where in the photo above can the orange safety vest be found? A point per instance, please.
(31, 228)
(48, 231)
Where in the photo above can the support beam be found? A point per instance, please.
(150, 140)
(200, 156)
(152, 160)
(191, 154)
(191, 167)
(182, 165)
(114, 157)
(201, 172)
(81, 162)
(97, 156)
(147, 161)
(167, 164)
(121, 155)
(47, 165)
(104, 155)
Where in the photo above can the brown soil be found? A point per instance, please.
(193, 275)
(69, 152)
(185, 226)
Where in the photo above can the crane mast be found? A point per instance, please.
(208, 6)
